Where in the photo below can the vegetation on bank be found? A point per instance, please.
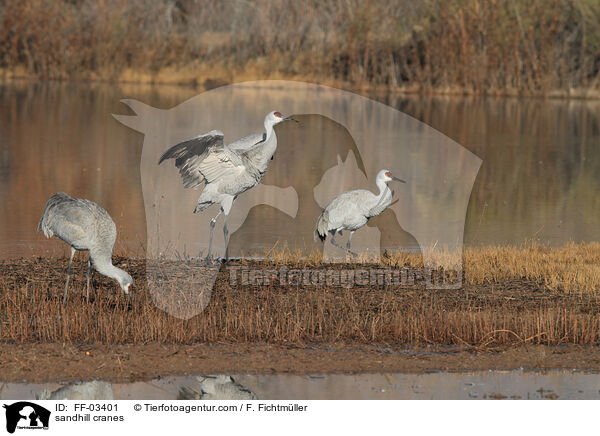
(568, 269)
(511, 295)
(474, 46)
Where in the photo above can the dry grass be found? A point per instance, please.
(530, 294)
(572, 268)
(549, 47)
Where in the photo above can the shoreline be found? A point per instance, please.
(502, 321)
(56, 362)
(534, 300)
(206, 81)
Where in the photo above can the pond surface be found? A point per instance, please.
(539, 177)
(516, 384)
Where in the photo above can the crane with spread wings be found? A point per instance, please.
(226, 170)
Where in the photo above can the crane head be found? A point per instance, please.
(388, 177)
(125, 281)
(276, 117)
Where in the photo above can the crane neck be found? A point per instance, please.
(269, 129)
(260, 156)
(382, 201)
(382, 185)
(105, 267)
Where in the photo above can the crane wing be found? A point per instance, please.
(381, 205)
(247, 142)
(216, 164)
(203, 158)
(197, 146)
(73, 220)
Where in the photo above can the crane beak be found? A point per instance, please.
(398, 180)
(291, 119)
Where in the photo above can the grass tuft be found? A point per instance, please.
(511, 295)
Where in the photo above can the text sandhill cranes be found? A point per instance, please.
(227, 171)
(351, 210)
(84, 226)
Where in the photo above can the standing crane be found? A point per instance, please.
(351, 210)
(84, 226)
(227, 171)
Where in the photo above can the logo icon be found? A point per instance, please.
(341, 143)
(26, 415)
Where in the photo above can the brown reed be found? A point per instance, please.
(452, 46)
(530, 294)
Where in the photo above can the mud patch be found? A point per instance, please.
(37, 363)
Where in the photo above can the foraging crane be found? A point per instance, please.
(351, 210)
(227, 171)
(84, 226)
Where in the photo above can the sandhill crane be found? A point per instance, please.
(351, 210)
(222, 387)
(228, 170)
(84, 226)
(94, 390)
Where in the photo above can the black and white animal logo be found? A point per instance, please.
(26, 415)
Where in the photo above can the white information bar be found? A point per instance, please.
(297, 417)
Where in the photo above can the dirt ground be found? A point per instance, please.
(511, 311)
(499, 324)
(38, 363)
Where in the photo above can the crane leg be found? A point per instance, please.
(349, 241)
(226, 208)
(346, 248)
(210, 238)
(348, 244)
(88, 275)
(226, 235)
(68, 276)
(334, 243)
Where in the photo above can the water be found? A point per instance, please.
(516, 384)
(538, 179)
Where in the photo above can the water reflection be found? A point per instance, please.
(94, 390)
(516, 384)
(220, 387)
(541, 164)
(539, 176)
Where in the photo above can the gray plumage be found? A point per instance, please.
(84, 226)
(226, 170)
(94, 390)
(351, 210)
(222, 387)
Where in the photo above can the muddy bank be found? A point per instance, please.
(512, 311)
(55, 362)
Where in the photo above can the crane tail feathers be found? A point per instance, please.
(321, 229)
(47, 213)
(319, 236)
